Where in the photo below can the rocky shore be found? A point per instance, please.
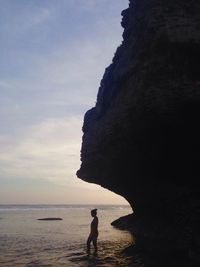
(155, 249)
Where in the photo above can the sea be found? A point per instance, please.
(26, 241)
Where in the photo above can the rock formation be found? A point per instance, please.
(50, 219)
(142, 139)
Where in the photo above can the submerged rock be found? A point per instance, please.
(50, 219)
(142, 139)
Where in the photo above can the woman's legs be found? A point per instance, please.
(93, 239)
(89, 240)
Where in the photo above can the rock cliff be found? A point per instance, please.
(142, 139)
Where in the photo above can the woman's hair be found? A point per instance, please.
(94, 211)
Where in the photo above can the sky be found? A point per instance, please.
(53, 54)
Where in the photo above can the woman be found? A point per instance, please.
(93, 231)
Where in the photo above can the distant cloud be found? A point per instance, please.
(45, 151)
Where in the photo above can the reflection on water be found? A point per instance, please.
(109, 254)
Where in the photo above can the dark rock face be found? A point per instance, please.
(142, 139)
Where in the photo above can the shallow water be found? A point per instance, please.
(27, 242)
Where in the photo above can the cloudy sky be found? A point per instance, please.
(52, 58)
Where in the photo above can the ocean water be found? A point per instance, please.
(26, 241)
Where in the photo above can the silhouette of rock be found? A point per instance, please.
(142, 139)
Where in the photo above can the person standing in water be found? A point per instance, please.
(93, 231)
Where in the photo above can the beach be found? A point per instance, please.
(26, 241)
